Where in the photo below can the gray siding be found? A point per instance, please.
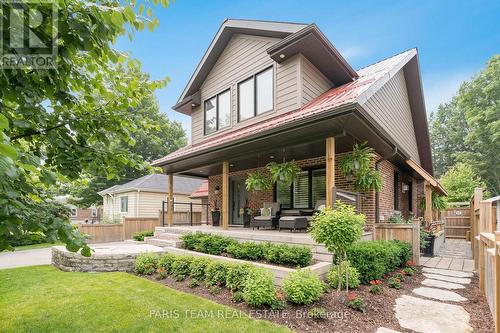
(314, 83)
(243, 56)
(390, 107)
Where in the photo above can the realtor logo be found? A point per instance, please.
(28, 34)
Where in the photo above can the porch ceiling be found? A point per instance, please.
(299, 142)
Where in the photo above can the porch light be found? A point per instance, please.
(193, 105)
(217, 190)
(282, 56)
(271, 157)
(231, 165)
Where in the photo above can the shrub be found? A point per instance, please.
(317, 313)
(237, 297)
(193, 284)
(409, 271)
(356, 302)
(303, 287)
(139, 236)
(237, 275)
(374, 259)
(166, 261)
(394, 283)
(181, 267)
(282, 254)
(215, 273)
(146, 263)
(399, 276)
(27, 238)
(246, 250)
(278, 304)
(333, 276)
(206, 243)
(214, 290)
(259, 288)
(162, 273)
(197, 269)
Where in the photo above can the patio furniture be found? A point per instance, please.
(270, 220)
(293, 223)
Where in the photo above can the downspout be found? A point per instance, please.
(377, 195)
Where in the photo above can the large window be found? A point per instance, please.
(309, 187)
(218, 112)
(255, 95)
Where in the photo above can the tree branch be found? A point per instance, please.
(38, 132)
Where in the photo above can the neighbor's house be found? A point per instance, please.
(144, 197)
(272, 91)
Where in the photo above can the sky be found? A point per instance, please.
(455, 39)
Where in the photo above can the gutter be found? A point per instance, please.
(377, 195)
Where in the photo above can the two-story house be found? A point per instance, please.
(273, 91)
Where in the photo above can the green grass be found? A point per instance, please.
(44, 299)
(36, 246)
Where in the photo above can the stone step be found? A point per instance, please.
(167, 235)
(162, 242)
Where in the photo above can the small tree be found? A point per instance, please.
(337, 229)
(460, 182)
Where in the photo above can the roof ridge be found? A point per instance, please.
(385, 59)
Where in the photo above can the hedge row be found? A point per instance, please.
(280, 254)
(249, 283)
(374, 259)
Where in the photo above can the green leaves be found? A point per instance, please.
(4, 122)
(357, 166)
(8, 150)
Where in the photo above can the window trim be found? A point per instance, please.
(121, 204)
(216, 96)
(309, 198)
(254, 77)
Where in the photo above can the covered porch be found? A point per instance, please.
(317, 145)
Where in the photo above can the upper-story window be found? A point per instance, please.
(255, 94)
(218, 112)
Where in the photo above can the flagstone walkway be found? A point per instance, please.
(428, 308)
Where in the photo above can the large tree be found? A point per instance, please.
(468, 128)
(151, 142)
(76, 118)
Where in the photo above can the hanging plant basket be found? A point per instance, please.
(286, 172)
(356, 167)
(258, 181)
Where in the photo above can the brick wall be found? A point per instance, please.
(255, 199)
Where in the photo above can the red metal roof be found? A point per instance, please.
(331, 99)
(201, 192)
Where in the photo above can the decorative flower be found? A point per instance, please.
(351, 297)
(410, 263)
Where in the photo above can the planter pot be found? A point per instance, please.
(246, 220)
(433, 245)
(216, 218)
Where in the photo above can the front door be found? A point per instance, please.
(238, 200)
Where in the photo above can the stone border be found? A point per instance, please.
(321, 268)
(98, 262)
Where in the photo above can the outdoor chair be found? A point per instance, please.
(269, 216)
(293, 223)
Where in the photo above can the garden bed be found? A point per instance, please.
(279, 272)
(340, 318)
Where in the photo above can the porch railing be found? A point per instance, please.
(349, 198)
(185, 213)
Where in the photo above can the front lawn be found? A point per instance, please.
(36, 246)
(44, 299)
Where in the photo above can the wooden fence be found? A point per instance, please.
(102, 233)
(485, 242)
(132, 225)
(457, 222)
(404, 232)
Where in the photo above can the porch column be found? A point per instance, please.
(428, 202)
(330, 170)
(225, 194)
(170, 206)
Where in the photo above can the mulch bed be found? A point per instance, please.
(341, 318)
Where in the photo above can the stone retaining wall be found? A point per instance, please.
(109, 259)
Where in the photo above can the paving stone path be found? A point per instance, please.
(425, 311)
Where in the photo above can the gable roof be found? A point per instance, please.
(156, 183)
(296, 37)
(357, 92)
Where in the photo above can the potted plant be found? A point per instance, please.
(258, 181)
(356, 166)
(247, 214)
(285, 172)
(215, 217)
